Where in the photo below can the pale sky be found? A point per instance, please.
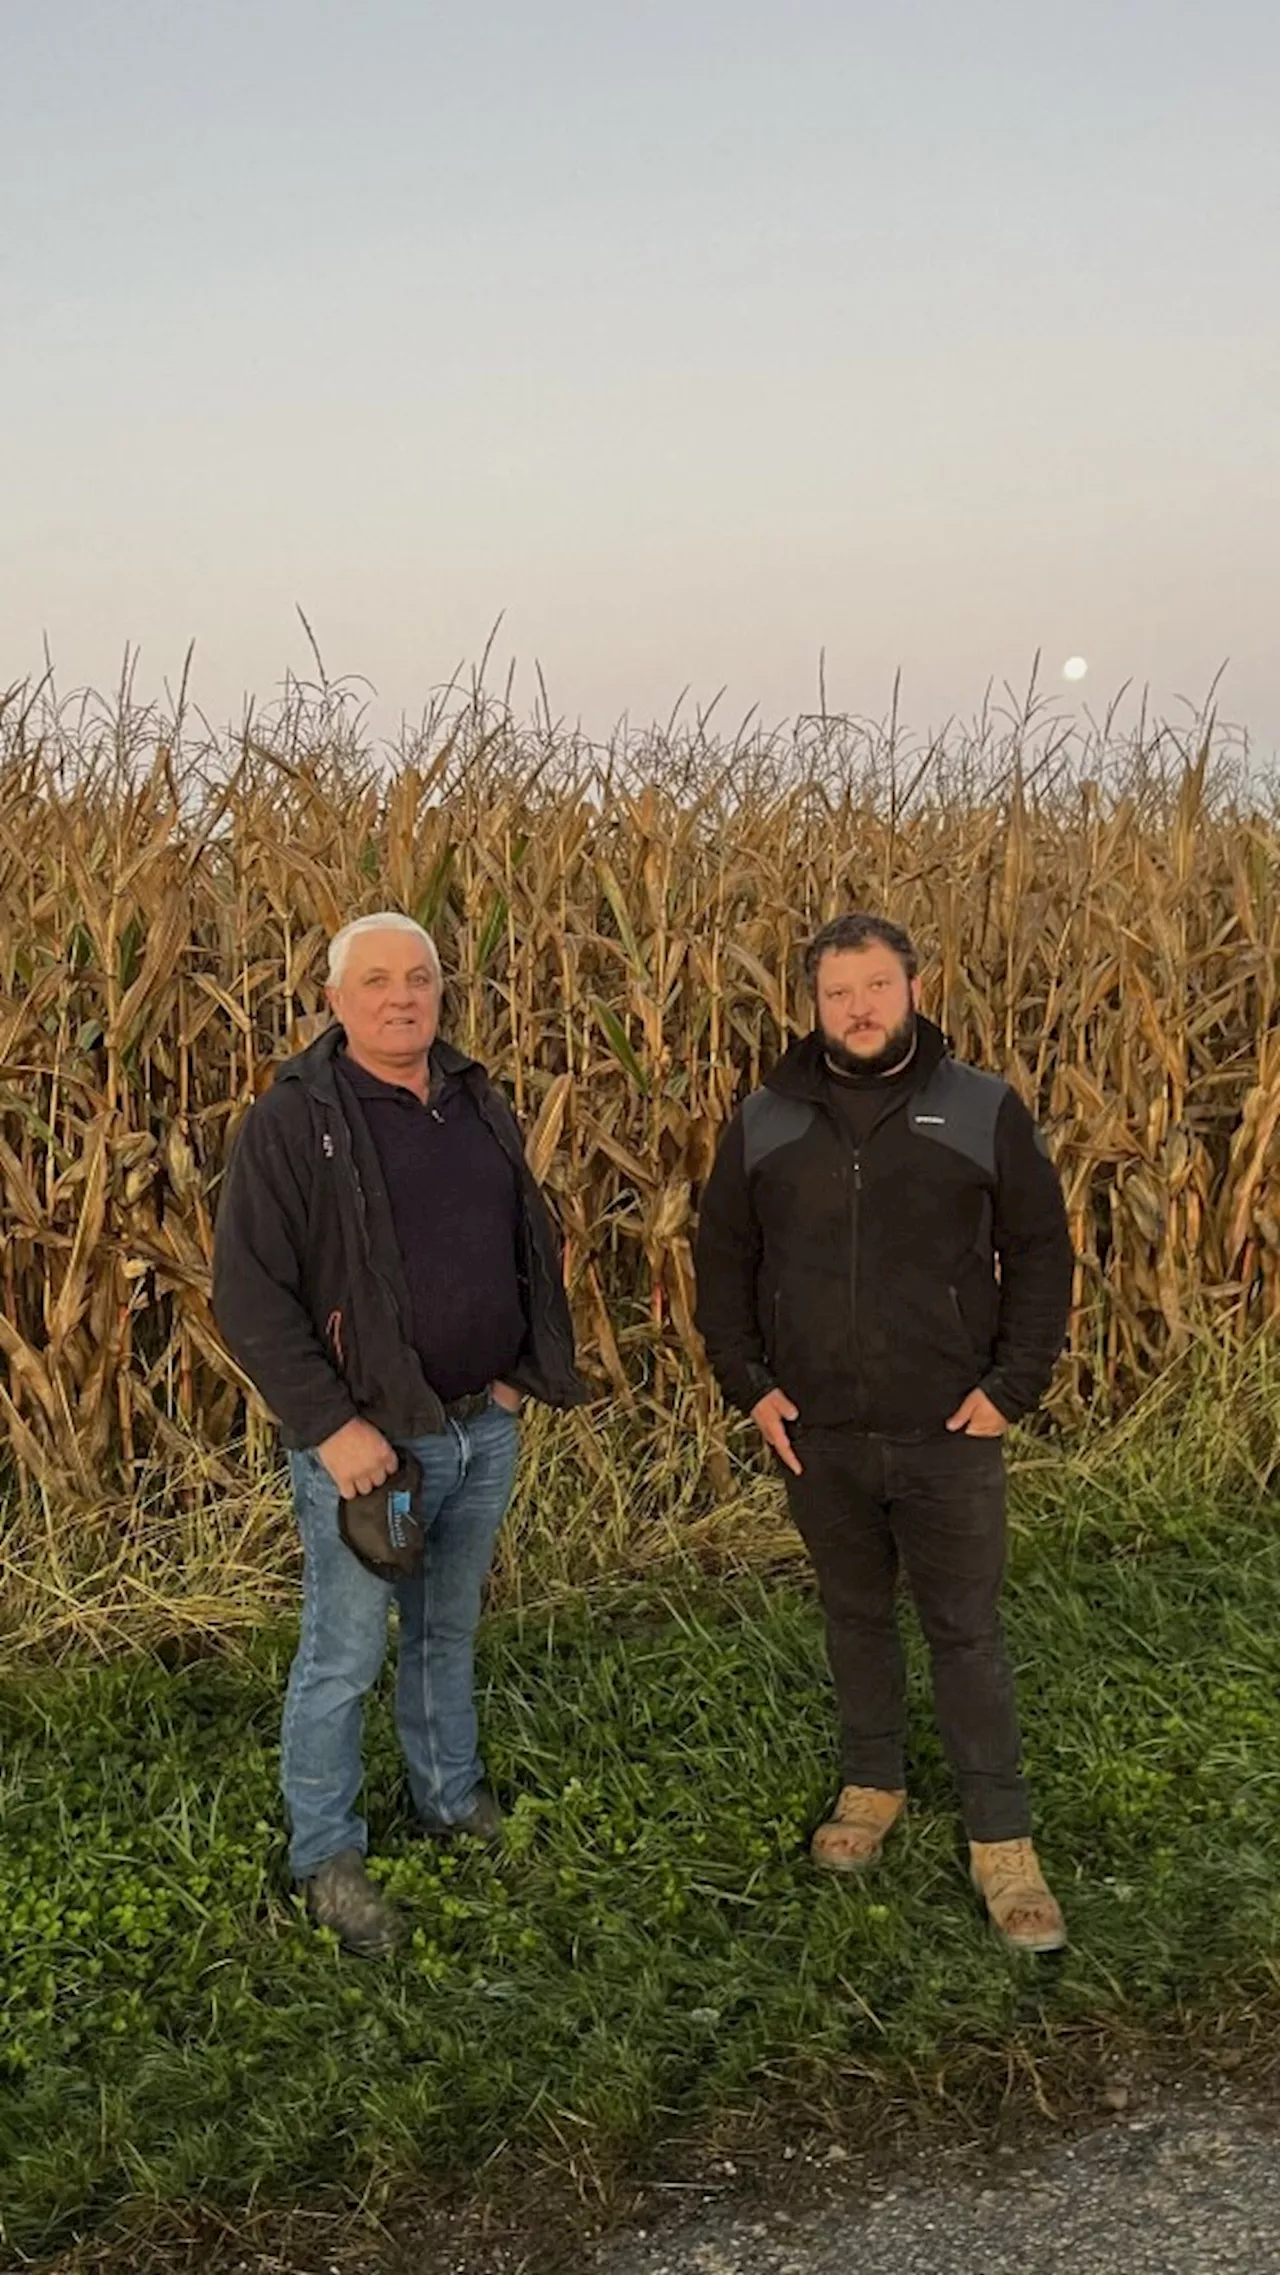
(692, 337)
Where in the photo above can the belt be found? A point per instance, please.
(462, 1409)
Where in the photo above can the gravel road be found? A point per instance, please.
(1181, 2192)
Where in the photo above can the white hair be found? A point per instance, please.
(386, 920)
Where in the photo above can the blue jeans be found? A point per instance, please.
(467, 1475)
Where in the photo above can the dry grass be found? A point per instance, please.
(1099, 920)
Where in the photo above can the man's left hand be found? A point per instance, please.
(504, 1396)
(978, 1418)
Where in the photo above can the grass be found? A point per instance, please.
(651, 1959)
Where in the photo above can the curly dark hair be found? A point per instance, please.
(859, 930)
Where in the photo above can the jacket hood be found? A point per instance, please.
(800, 1072)
(314, 1066)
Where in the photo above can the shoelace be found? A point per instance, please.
(1016, 1871)
(862, 1802)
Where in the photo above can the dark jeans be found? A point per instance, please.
(866, 1506)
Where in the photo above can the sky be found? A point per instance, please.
(692, 339)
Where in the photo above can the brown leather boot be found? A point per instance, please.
(1023, 1912)
(341, 1895)
(483, 1821)
(852, 1837)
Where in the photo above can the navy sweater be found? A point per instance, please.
(456, 1212)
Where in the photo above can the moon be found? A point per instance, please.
(1075, 667)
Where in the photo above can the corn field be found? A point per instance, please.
(1099, 919)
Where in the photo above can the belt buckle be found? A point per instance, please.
(472, 1402)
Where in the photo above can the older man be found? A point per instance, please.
(386, 1273)
(884, 1274)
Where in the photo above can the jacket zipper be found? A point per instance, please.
(362, 1211)
(854, 1213)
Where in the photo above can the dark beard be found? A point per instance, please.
(898, 1048)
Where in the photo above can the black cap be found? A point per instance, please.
(384, 1528)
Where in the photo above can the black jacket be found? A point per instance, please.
(879, 1285)
(308, 1286)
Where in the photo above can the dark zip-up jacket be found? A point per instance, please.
(877, 1285)
(308, 1286)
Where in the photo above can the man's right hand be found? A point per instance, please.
(771, 1415)
(358, 1458)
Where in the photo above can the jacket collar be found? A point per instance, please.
(801, 1072)
(313, 1068)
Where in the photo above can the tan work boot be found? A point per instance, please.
(853, 1835)
(341, 1895)
(1023, 1912)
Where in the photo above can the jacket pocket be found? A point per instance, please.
(966, 1340)
(928, 1329)
(342, 1345)
(806, 1339)
(783, 1358)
